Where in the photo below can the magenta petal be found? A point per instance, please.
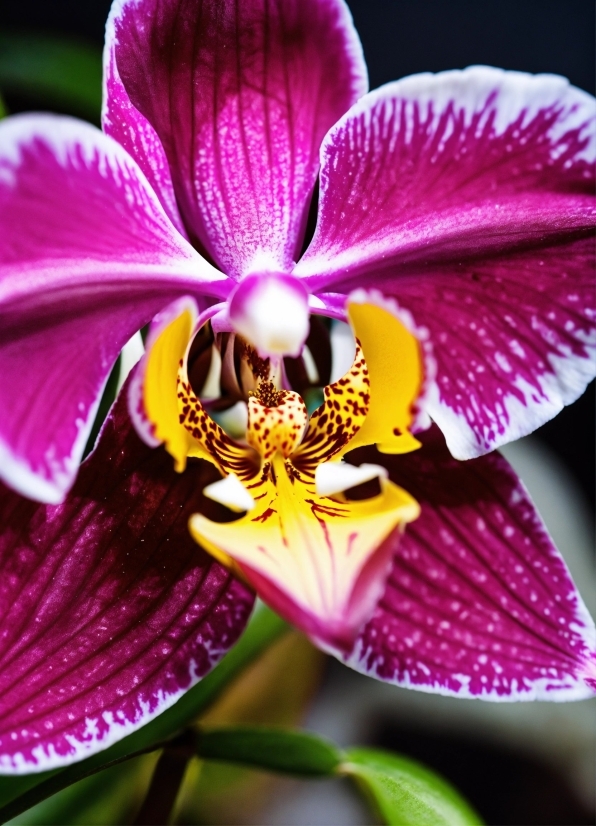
(87, 257)
(479, 602)
(108, 609)
(467, 196)
(125, 124)
(459, 164)
(241, 95)
(513, 338)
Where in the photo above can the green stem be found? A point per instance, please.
(166, 781)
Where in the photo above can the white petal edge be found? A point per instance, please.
(546, 689)
(561, 387)
(132, 352)
(518, 92)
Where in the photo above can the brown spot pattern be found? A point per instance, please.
(277, 427)
(277, 420)
(258, 366)
(229, 456)
(338, 419)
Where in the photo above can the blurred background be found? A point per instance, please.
(517, 764)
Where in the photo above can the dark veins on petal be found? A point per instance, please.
(107, 606)
(240, 95)
(479, 599)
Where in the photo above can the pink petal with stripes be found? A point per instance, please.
(469, 197)
(479, 602)
(240, 95)
(513, 338)
(87, 257)
(125, 124)
(109, 611)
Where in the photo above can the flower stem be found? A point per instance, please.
(166, 781)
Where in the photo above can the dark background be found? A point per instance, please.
(405, 36)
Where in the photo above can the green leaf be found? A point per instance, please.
(61, 71)
(107, 400)
(17, 794)
(274, 749)
(109, 797)
(3, 111)
(406, 793)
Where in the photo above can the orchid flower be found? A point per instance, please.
(453, 238)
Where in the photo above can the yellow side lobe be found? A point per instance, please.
(160, 385)
(395, 366)
(338, 419)
(207, 440)
(312, 548)
(179, 418)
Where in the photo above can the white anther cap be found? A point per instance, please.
(270, 310)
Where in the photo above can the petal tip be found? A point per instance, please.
(334, 477)
(230, 492)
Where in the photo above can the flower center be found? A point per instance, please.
(276, 420)
(267, 395)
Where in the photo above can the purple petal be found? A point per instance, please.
(513, 338)
(241, 95)
(479, 602)
(125, 124)
(109, 610)
(87, 257)
(477, 188)
(452, 165)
